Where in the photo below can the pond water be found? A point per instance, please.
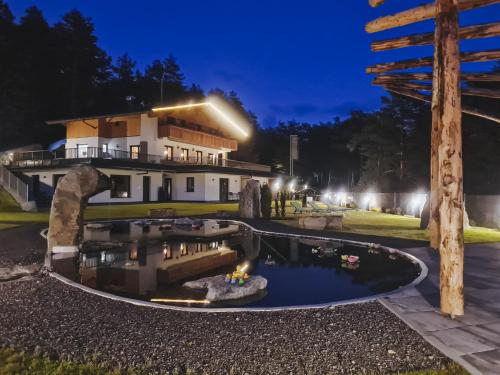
(151, 260)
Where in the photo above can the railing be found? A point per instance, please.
(15, 186)
(45, 158)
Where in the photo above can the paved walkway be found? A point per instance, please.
(474, 339)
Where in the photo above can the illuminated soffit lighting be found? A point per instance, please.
(210, 105)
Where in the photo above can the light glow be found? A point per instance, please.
(189, 301)
(210, 105)
(244, 267)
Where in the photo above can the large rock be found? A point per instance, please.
(313, 222)
(334, 222)
(219, 290)
(70, 199)
(250, 200)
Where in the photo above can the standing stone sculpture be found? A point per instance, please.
(70, 199)
(250, 200)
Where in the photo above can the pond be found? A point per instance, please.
(151, 260)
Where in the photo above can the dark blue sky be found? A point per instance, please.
(302, 60)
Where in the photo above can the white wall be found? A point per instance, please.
(179, 192)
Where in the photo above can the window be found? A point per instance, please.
(134, 152)
(120, 187)
(199, 157)
(190, 184)
(211, 158)
(184, 154)
(169, 152)
(184, 249)
(105, 148)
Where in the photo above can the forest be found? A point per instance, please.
(61, 72)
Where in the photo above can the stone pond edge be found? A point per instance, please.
(423, 274)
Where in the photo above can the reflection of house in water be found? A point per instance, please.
(145, 265)
(132, 231)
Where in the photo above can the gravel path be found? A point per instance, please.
(45, 316)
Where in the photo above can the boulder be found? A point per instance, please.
(249, 205)
(334, 222)
(313, 222)
(219, 290)
(70, 199)
(161, 213)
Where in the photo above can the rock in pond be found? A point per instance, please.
(219, 290)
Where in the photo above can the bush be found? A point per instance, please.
(266, 199)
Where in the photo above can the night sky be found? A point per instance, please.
(302, 60)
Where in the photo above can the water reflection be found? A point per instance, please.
(152, 259)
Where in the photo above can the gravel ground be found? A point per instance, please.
(46, 317)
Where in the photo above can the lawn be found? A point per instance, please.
(7, 203)
(122, 211)
(387, 225)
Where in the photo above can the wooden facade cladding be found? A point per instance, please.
(196, 138)
(116, 127)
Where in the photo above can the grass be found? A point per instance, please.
(120, 211)
(18, 363)
(387, 225)
(7, 202)
(13, 362)
(452, 369)
(361, 222)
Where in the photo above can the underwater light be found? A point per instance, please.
(173, 300)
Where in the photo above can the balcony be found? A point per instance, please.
(63, 158)
(196, 137)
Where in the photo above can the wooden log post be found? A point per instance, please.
(446, 153)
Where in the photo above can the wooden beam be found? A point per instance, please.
(486, 93)
(447, 193)
(468, 77)
(490, 55)
(421, 13)
(487, 30)
(427, 98)
(376, 3)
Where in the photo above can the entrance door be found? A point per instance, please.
(167, 189)
(146, 188)
(35, 185)
(223, 189)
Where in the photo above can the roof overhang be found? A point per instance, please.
(215, 115)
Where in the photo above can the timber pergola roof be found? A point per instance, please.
(446, 203)
(418, 85)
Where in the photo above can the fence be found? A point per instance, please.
(15, 186)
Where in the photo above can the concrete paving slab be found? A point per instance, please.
(472, 340)
(487, 363)
(462, 341)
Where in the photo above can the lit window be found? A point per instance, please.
(184, 154)
(169, 152)
(167, 252)
(199, 157)
(211, 159)
(184, 250)
(134, 152)
(105, 148)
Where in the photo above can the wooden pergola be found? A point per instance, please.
(444, 94)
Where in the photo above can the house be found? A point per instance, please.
(175, 153)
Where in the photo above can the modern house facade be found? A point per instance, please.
(176, 153)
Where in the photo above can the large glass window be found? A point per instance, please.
(134, 152)
(120, 187)
(169, 153)
(190, 184)
(211, 159)
(184, 154)
(199, 157)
